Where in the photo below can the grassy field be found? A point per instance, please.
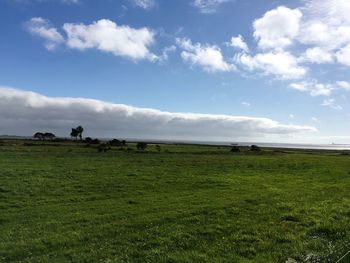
(65, 202)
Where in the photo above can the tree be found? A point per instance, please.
(77, 132)
(39, 136)
(141, 146)
(49, 135)
(74, 133)
(80, 131)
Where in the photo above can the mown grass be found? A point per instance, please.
(65, 202)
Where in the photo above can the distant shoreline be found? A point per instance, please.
(300, 146)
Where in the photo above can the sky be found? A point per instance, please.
(219, 70)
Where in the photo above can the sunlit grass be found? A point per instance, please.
(65, 202)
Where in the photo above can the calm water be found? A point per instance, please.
(262, 144)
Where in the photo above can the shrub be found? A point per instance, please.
(141, 146)
(158, 148)
(116, 143)
(88, 140)
(255, 148)
(103, 147)
(235, 149)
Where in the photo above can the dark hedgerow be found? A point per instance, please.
(255, 148)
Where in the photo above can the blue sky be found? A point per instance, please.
(284, 61)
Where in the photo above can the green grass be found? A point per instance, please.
(64, 202)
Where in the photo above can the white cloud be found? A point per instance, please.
(343, 85)
(318, 55)
(327, 26)
(331, 103)
(208, 6)
(321, 90)
(145, 4)
(107, 36)
(343, 55)
(315, 89)
(277, 28)
(282, 64)
(165, 53)
(41, 27)
(209, 57)
(246, 104)
(23, 113)
(238, 42)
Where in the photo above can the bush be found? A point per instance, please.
(158, 148)
(255, 148)
(235, 149)
(116, 143)
(103, 147)
(88, 140)
(141, 146)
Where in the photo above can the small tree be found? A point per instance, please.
(74, 133)
(255, 148)
(141, 146)
(116, 143)
(80, 131)
(39, 136)
(49, 135)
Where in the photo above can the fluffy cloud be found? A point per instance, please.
(318, 32)
(315, 89)
(209, 57)
(104, 35)
(238, 42)
(322, 26)
(41, 27)
(208, 6)
(23, 113)
(343, 55)
(145, 4)
(318, 55)
(344, 85)
(327, 23)
(280, 64)
(107, 36)
(327, 28)
(277, 28)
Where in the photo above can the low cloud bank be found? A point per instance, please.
(24, 112)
